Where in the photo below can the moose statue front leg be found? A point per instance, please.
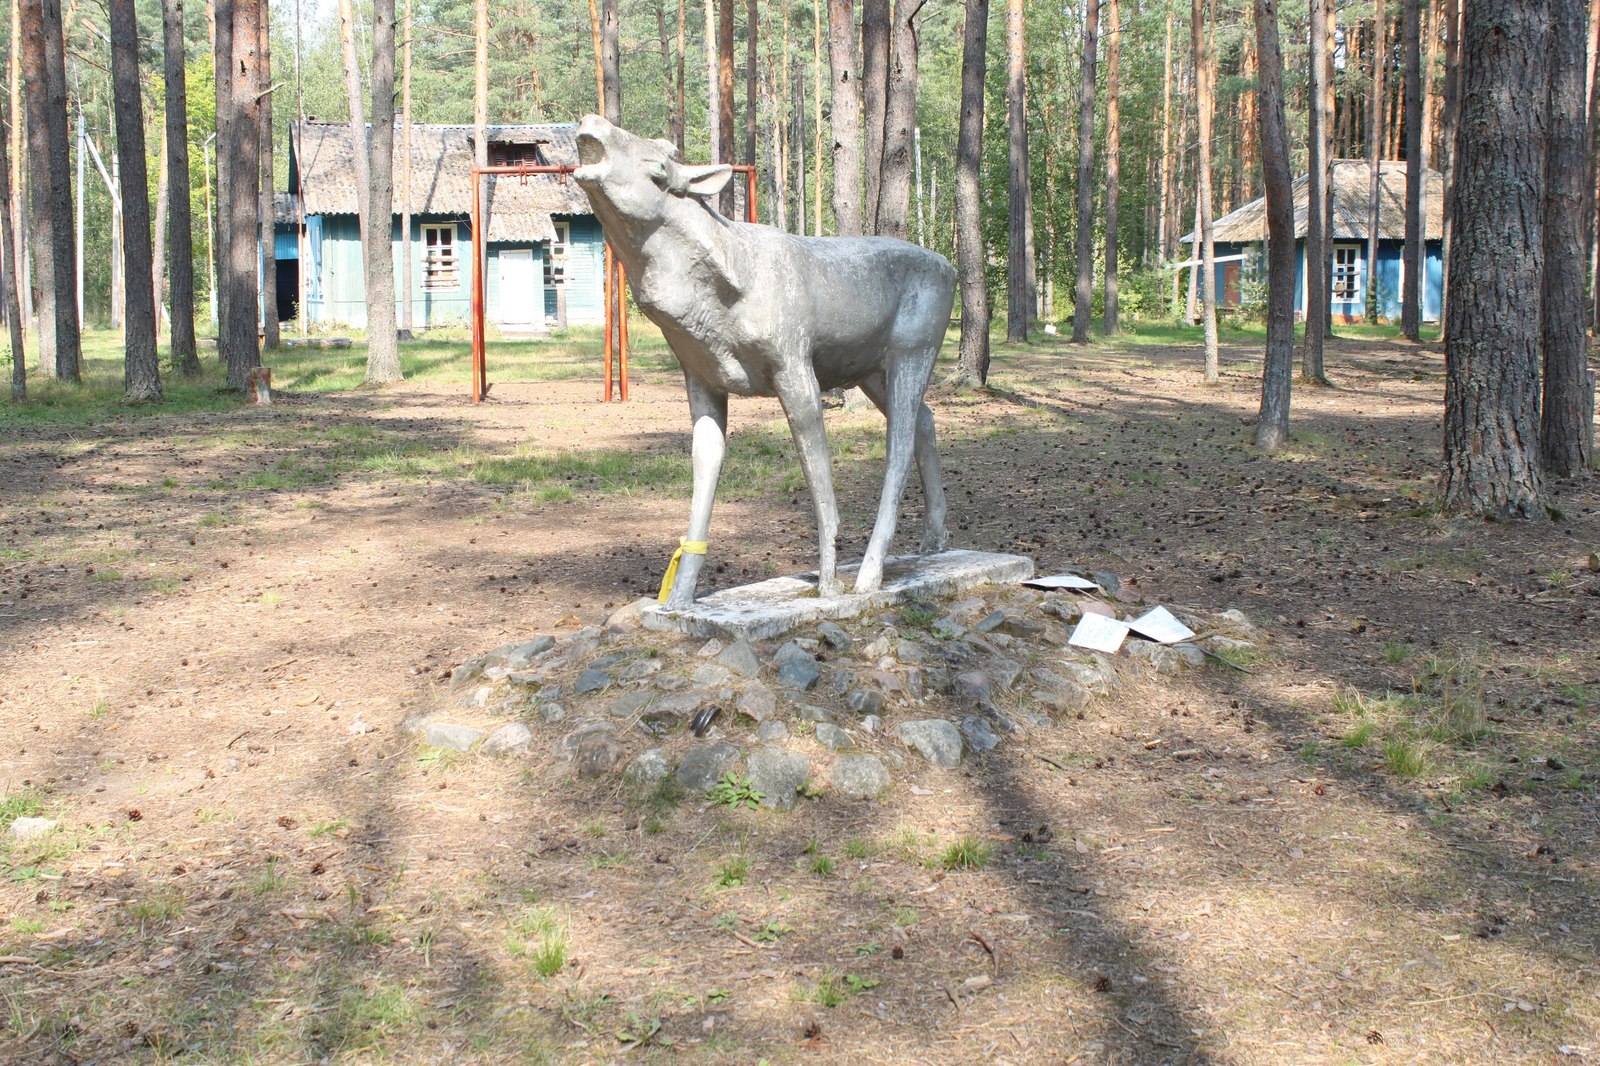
(802, 404)
(709, 410)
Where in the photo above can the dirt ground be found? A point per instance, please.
(1375, 842)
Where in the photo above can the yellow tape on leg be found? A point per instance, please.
(685, 546)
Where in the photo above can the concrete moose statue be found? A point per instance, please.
(753, 311)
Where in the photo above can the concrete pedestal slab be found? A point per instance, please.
(772, 608)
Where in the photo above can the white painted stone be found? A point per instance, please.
(771, 608)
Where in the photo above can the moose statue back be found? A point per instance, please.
(752, 311)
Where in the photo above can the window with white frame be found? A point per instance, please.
(1347, 274)
(440, 267)
(555, 264)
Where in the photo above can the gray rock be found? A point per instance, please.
(591, 680)
(628, 616)
(1003, 672)
(710, 649)
(450, 735)
(935, 739)
(792, 649)
(1191, 654)
(630, 703)
(1092, 678)
(552, 712)
(880, 645)
(777, 774)
(598, 754)
(476, 697)
(513, 738)
(1016, 625)
(865, 701)
(740, 657)
(833, 738)
(682, 704)
(1239, 622)
(969, 611)
(772, 731)
(520, 656)
(800, 675)
(841, 681)
(990, 622)
(567, 746)
(1106, 580)
(807, 712)
(32, 828)
(859, 776)
(1140, 649)
(974, 685)
(672, 683)
(660, 723)
(467, 674)
(835, 636)
(909, 651)
(757, 701)
(871, 724)
(709, 675)
(640, 669)
(704, 766)
(1175, 658)
(978, 734)
(947, 628)
(648, 769)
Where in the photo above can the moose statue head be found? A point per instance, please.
(750, 310)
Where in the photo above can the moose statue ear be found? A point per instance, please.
(704, 181)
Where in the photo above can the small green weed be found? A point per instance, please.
(537, 935)
(734, 871)
(1404, 758)
(857, 848)
(734, 791)
(323, 829)
(871, 947)
(772, 932)
(1396, 651)
(1359, 736)
(822, 866)
(269, 880)
(642, 1032)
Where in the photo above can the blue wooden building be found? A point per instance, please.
(1240, 238)
(544, 246)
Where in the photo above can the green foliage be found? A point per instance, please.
(734, 871)
(734, 791)
(967, 853)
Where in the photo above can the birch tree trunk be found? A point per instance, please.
(141, 375)
(1163, 225)
(1208, 256)
(360, 150)
(158, 256)
(1374, 138)
(1566, 413)
(1113, 160)
(1411, 285)
(1491, 409)
(713, 100)
(611, 60)
(1018, 305)
(970, 258)
(1272, 428)
(383, 352)
(269, 213)
(846, 118)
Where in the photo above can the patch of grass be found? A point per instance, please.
(772, 932)
(1242, 657)
(829, 991)
(906, 917)
(322, 829)
(439, 758)
(871, 947)
(967, 853)
(27, 926)
(269, 880)
(610, 860)
(538, 935)
(1396, 651)
(1404, 758)
(158, 905)
(22, 804)
(734, 871)
(1309, 751)
(918, 616)
(734, 791)
(857, 848)
(909, 844)
(596, 827)
(822, 866)
(1360, 736)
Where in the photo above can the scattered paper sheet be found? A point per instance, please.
(1061, 581)
(1098, 633)
(1159, 624)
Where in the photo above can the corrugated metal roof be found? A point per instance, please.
(441, 183)
(1352, 190)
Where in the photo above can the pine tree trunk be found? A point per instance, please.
(269, 208)
(1018, 305)
(1450, 124)
(11, 275)
(680, 125)
(1566, 412)
(1491, 411)
(383, 352)
(1318, 288)
(1113, 159)
(875, 33)
(1272, 428)
(219, 235)
(674, 131)
(1411, 287)
(141, 373)
(900, 121)
(1374, 139)
(752, 24)
(1164, 227)
(1208, 253)
(480, 125)
(725, 134)
(239, 333)
(846, 118)
(816, 125)
(42, 217)
(970, 258)
(68, 351)
(360, 151)
(405, 325)
(611, 60)
(1084, 295)
(16, 140)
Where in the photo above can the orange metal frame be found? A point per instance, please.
(616, 316)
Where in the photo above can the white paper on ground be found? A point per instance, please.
(1061, 581)
(1098, 633)
(1159, 624)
